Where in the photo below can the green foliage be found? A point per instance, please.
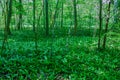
(62, 54)
(19, 8)
(73, 58)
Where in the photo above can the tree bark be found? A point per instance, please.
(47, 17)
(34, 19)
(8, 16)
(106, 27)
(62, 15)
(7, 19)
(20, 15)
(75, 16)
(100, 24)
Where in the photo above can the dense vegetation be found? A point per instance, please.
(60, 40)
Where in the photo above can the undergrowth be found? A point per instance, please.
(68, 57)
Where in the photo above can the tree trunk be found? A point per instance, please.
(34, 15)
(62, 15)
(100, 25)
(9, 14)
(20, 15)
(46, 17)
(106, 27)
(75, 16)
(7, 19)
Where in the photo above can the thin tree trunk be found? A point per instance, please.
(34, 20)
(100, 24)
(75, 16)
(7, 19)
(46, 16)
(9, 14)
(20, 15)
(62, 15)
(54, 15)
(106, 27)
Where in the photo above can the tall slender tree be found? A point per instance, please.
(8, 16)
(46, 18)
(20, 15)
(62, 14)
(34, 18)
(75, 16)
(106, 27)
(100, 24)
(7, 19)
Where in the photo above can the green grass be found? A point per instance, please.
(71, 57)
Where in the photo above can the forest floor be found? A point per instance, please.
(59, 58)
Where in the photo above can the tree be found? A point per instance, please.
(106, 27)
(7, 19)
(34, 20)
(62, 14)
(46, 18)
(55, 14)
(20, 15)
(8, 16)
(100, 24)
(75, 16)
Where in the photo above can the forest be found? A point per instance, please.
(59, 39)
